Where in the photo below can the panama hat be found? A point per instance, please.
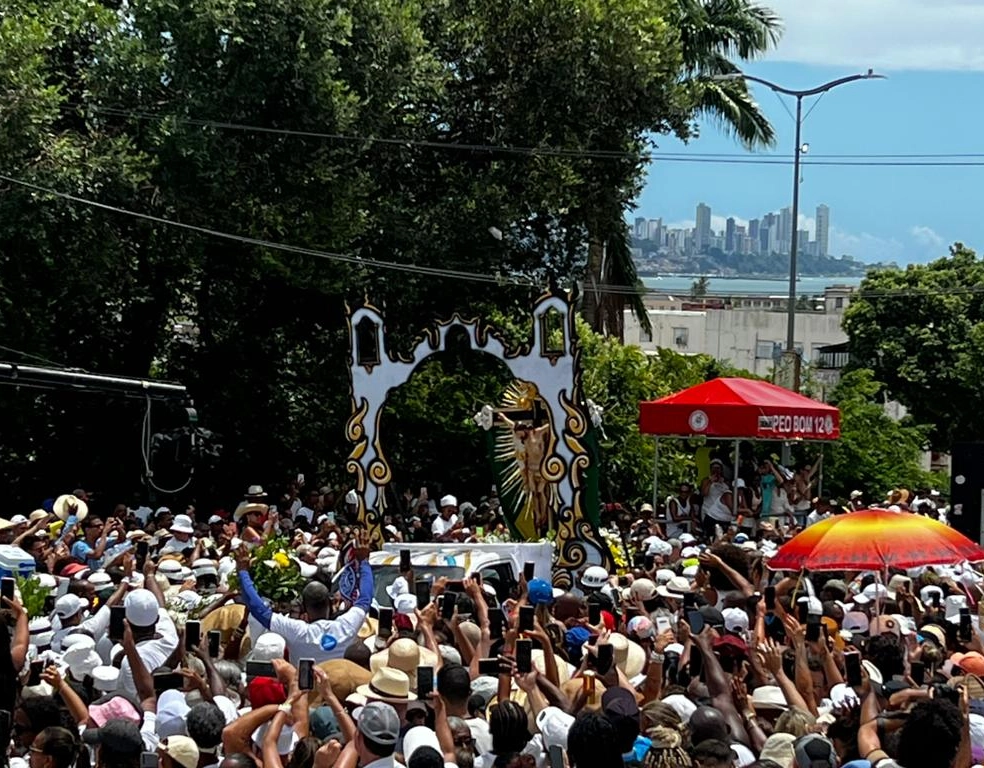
(389, 685)
(243, 509)
(405, 655)
(629, 656)
(63, 507)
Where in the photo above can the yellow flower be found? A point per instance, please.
(281, 559)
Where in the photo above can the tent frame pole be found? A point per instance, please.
(656, 478)
(734, 491)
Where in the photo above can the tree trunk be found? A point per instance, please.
(592, 301)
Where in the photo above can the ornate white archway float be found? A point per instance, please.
(550, 361)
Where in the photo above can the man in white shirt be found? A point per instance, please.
(319, 638)
(444, 524)
(311, 508)
(182, 536)
(154, 634)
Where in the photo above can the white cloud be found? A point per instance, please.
(928, 237)
(891, 35)
(866, 247)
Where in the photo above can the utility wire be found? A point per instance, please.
(32, 356)
(420, 269)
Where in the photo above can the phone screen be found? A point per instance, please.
(305, 674)
(852, 668)
(803, 612)
(770, 598)
(404, 560)
(149, 760)
(526, 618)
(425, 682)
(193, 634)
(556, 756)
(34, 676)
(448, 602)
(489, 667)
(259, 669)
(917, 671)
(496, 621)
(696, 621)
(7, 588)
(423, 589)
(594, 614)
(529, 570)
(385, 622)
(143, 547)
(689, 600)
(214, 641)
(117, 615)
(648, 562)
(813, 628)
(168, 681)
(606, 653)
(663, 624)
(524, 656)
(696, 664)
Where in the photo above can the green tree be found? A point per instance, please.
(699, 287)
(920, 330)
(875, 453)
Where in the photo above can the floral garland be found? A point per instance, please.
(617, 548)
(275, 575)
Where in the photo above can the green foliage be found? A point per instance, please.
(275, 575)
(875, 453)
(921, 331)
(130, 106)
(32, 596)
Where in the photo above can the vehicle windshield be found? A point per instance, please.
(384, 575)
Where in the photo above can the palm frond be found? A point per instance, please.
(730, 105)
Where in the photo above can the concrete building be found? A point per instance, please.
(702, 233)
(823, 230)
(749, 334)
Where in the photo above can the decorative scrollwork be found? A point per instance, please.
(354, 429)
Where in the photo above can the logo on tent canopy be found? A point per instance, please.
(698, 421)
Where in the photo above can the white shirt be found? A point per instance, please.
(713, 507)
(480, 733)
(153, 652)
(440, 526)
(304, 639)
(306, 512)
(174, 546)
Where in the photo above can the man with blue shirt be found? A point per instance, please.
(95, 536)
(318, 637)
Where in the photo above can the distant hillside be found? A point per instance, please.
(749, 265)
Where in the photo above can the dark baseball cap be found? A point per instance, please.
(619, 701)
(712, 616)
(121, 737)
(814, 751)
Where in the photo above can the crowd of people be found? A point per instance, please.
(143, 638)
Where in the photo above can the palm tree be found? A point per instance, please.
(713, 34)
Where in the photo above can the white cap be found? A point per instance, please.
(351, 497)
(40, 632)
(398, 587)
(553, 724)
(18, 520)
(688, 552)
(215, 520)
(417, 737)
(169, 567)
(68, 605)
(190, 600)
(405, 604)
(142, 608)
(77, 640)
(735, 620)
(105, 678)
(268, 646)
(663, 575)
(813, 605)
(448, 501)
(595, 577)
(205, 567)
(46, 580)
(687, 538)
(182, 524)
(656, 546)
(99, 578)
(81, 660)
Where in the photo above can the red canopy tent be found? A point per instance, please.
(740, 408)
(737, 409)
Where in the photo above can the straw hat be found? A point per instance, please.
(403, 654)
(63, 507)
(389, 685)
(242, 509)
(629, 656)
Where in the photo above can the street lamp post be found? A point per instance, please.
(794, 240)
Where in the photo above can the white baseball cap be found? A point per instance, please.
(142, 608)
(417, 737)
(268, 646)
(215, 519)
(449, 501)
(68, 605)
(553, 724)
(735, 619)
(105, 678)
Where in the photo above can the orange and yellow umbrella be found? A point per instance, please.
(873, 540)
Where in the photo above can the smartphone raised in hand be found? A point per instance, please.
(117, 619)
(770, 599)
(813, 626)
(404, 560)
(7, 588)
(852, 668)
(496, 622)
(488, 667)
(423, 589)
(524, 656)
(425, 682)
(385, 622)
(606, 654)
(193, 634)
(305, 674)
(527, 618)
(594, 614)
(917, 671)
(448, 602)
(529, 571)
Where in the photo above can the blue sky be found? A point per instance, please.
(933, 56)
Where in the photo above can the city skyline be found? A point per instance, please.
(875, 147)
(772, 232)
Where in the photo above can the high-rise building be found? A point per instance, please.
(785, 229)
(729, 235)
(641, 229)
(753, 228)
(702, 230)
(654, 229)
(823, 229)
(802, 240)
